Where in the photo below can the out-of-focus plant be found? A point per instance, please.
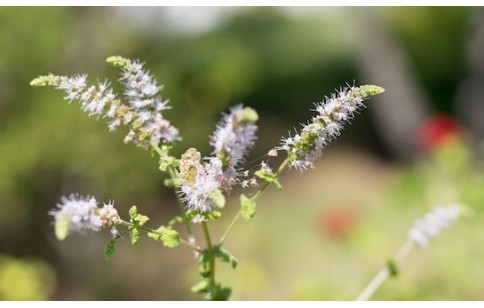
(25, 279)
(202, 185)
(445, 174)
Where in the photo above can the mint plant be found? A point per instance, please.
(201, 183)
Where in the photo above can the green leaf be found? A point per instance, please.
(203, 268)
(169, 237)
(133, 211)
(247, 207)
(141, 219)
(119, 62)
(219, 293)
(392, 268)
(225, 256)
(109, 249)
(269, 177)
(134, 234)
(200, 287)
(61, 227)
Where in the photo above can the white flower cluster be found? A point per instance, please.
(95, 100)
(433, 223)
(142, 112)
(235, 134)
(233, 137)
(83, 214)
(202, 185)
(141, 92)
(333, 112)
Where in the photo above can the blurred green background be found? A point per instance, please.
(330, 230)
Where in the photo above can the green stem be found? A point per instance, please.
(174, 177)
(385, 272)
(281, 168)
(211, 264)
(182, 241)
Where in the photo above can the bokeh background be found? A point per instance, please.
(326, 234)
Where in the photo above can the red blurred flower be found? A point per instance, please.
(337, 222)
(436, 131)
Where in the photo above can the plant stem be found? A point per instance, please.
(281, 168)
(211, 264)
(182, 241)
(174, 177)
(384, 272)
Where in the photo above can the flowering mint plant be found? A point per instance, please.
(201, 183)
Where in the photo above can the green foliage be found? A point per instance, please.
(218, 293)
(47, 80)
(110, 249)
(203, 260)
(134, 234)
(269, 177)
(61, 227)
(370, 90)
(118, 61)
(25, 279)
(166, 160)
(248, 115)
(247, 207)
(169, 237)
(137, 220)
(392, 267)
(225, 256)
(200, 287)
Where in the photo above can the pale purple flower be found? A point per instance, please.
(429, 226)
(83, 213)
(332, 113)
(80, 211)
(142, 95)
(233, 136)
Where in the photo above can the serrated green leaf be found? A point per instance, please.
(109, 249)
(141, 219)
(133, 211)
(134, 234)
(61, 227)
(247, 207)
(200, 287)
(169, 237)
(226, 256)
